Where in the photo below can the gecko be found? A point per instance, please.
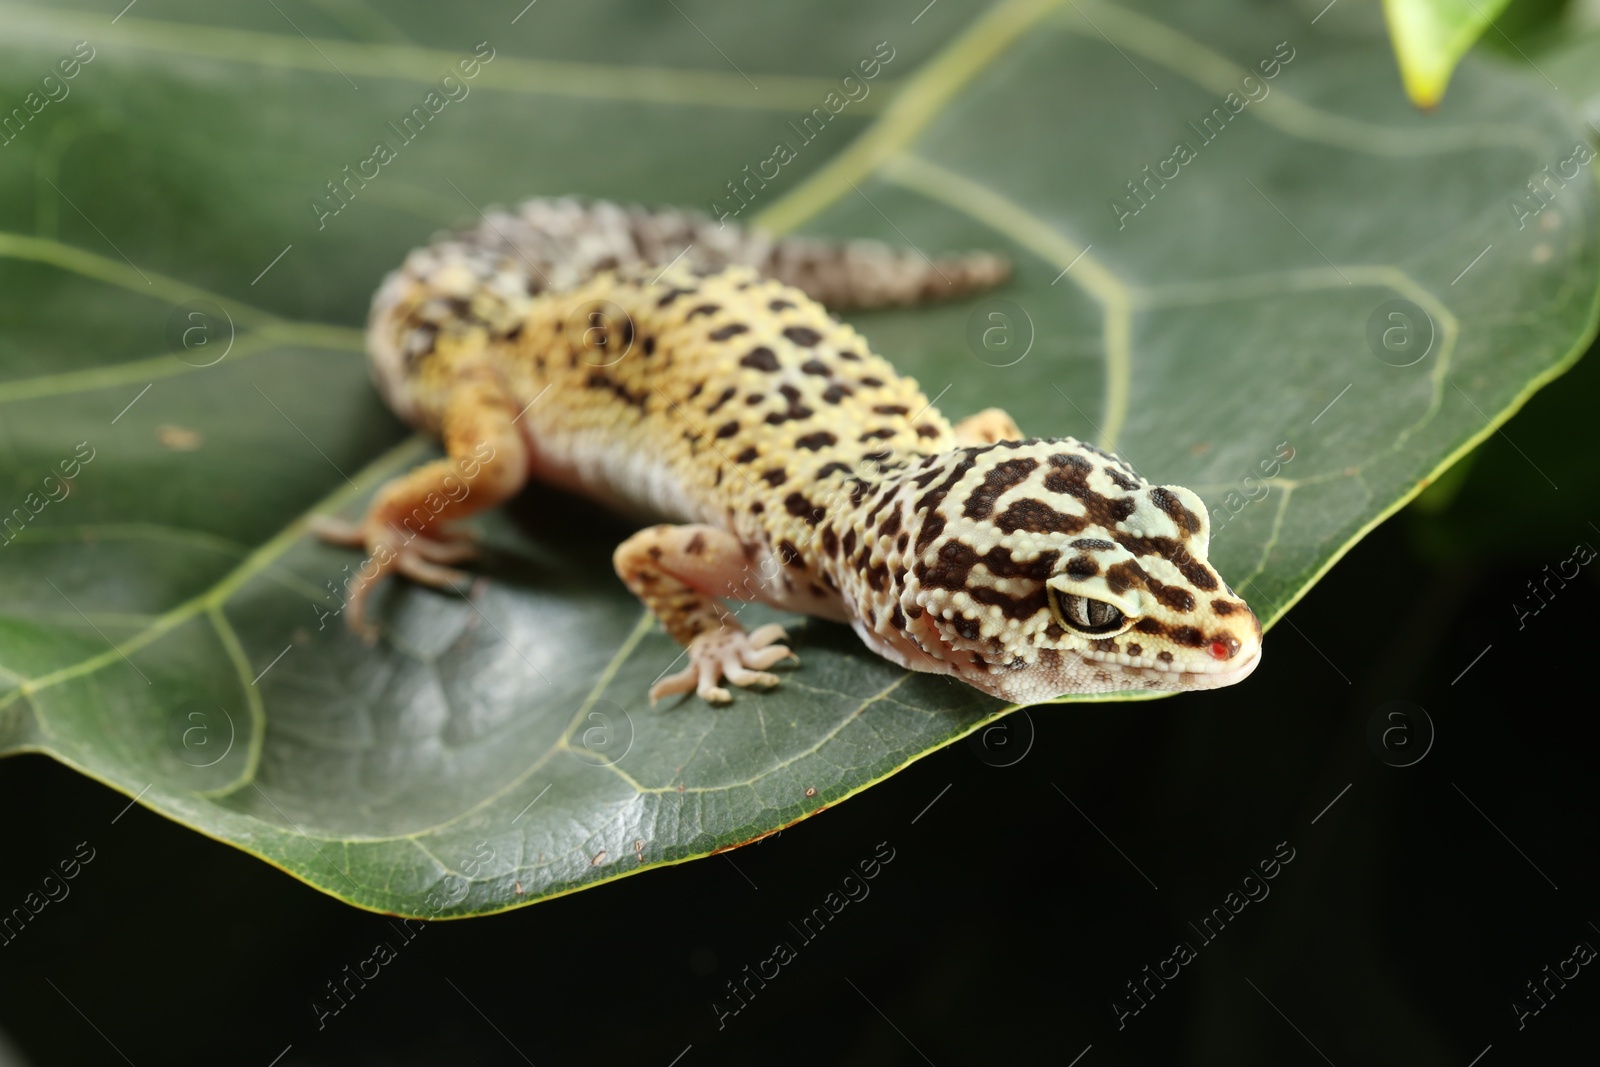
(691, 374)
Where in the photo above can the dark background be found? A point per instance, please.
(1006, 923)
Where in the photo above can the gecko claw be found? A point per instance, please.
(726, 653)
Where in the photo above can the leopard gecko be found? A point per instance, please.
(681, 370)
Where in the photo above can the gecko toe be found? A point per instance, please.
(762, 658)
(336, 531)
(674, 684)
(763, 636)
(455, 550)
(414, 566)
(744, 678)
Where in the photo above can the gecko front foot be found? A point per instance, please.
(419, 558)
(726, 652)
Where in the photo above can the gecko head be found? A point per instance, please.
(1044, 567)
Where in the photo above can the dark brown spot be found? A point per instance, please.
(884, 496)
(1172, 596)
(788, 555)
(897, 618)
(934, 522)
(671, 295)
(779, 305)
(950, 567)
(649, 346)
(775, 477)
(801, 508)
(925, 430)
(872, 383)
(1120, 480)
(836, 391)
(1093, 544)
(1164, 657)
(804, 336)
(749, 455)
(832, 468)
(1035, 516)
(1013, 607)
(815, 442)
(755, 398)
(851, 356)
(830, 541)
(1197, 573)
(815, 366)
(970, 629)
(891, 409)
(1120, 577)
(727, 395)
(696, 545)
(1223, 607)
(878, 578)
(1178, 635)
(1186, 521)
(1000, 477)
(703, 309)
(727, 429)
(849, 541)
(797, 411)
(733, 329)
(1136, 649)
(1081, 567)
(760, 358)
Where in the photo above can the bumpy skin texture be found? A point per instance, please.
(582, 345)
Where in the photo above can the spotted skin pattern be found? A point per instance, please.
(796, 467)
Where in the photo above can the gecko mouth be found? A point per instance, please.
(1198, 675)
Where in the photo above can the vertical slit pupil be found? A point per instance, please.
(1085, 614)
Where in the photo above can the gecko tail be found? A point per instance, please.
(871, 274)
(568, 240)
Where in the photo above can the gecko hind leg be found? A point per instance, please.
(682, 574)
(987, 427)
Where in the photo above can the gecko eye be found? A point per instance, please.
(1086, 614)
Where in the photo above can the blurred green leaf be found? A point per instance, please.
(1329, 271)
(1574, 67)
(1431, 36)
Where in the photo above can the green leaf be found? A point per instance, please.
(1431, 36)
(1574, 66)
(164, 623)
